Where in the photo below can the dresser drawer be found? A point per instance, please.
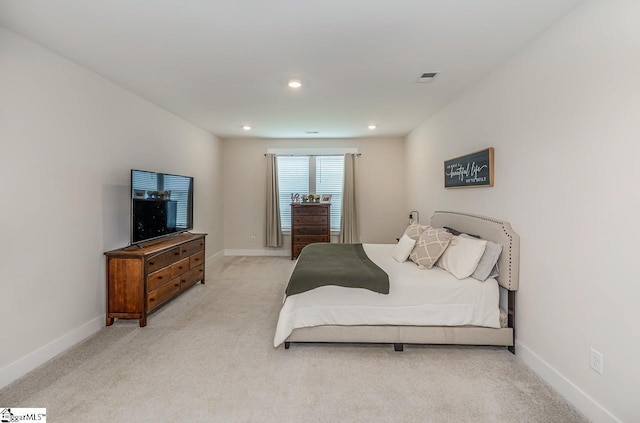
(192, 247)
(180, 267)
(158, 278)
(308, 239)
(310, 220)
(196, 260)
(311, 230)
(191, 277)
(296, 249)
(162, 294)
(311, 210)
(161, 260)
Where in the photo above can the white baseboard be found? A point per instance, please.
(576, 396)
(24, 365)
(258, 252)
(217, 256)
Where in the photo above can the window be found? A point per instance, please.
(310, 174)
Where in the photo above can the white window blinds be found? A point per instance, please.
(294, 176)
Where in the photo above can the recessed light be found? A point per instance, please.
(372, 126)
(246, 127)
(294, 83)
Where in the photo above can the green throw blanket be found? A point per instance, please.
(336, 264)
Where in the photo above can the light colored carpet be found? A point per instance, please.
(208, 357)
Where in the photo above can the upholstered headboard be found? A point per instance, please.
(492, 230)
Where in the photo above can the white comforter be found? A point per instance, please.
(416, 298)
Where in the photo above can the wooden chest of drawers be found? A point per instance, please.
(309, 223)
(142, 278)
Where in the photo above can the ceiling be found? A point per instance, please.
(222, 64)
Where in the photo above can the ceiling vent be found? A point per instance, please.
(426, 77)
(312, 132)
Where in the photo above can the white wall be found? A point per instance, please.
(380, 188)
(68, 141)
(563, 116)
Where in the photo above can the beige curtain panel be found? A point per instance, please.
(349, 217)
(274, 229)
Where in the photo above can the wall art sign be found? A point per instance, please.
(469, 171)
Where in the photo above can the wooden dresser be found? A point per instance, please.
(310, 222)
(142, 278)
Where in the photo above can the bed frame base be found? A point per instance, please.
(396, 347)
(399, 335)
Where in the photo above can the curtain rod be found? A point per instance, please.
(313, 155)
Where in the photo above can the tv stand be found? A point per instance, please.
(143, 277)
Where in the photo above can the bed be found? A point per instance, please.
(461, 312)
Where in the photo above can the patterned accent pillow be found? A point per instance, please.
(430, 247)
(414, 231)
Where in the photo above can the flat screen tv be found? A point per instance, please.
(161, 205)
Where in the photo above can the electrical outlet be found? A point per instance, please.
(597, 361)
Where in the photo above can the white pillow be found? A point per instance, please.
(462, 256)
(403, 248)
(488, 264)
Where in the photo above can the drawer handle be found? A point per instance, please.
(177, 284)
(177, 253)
(152, 299)
(197, 258)
(180, 267)
(159, 277)
(151, 263)
(184, 251)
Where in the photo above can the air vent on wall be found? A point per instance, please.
(426, 77)
(312, 132)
